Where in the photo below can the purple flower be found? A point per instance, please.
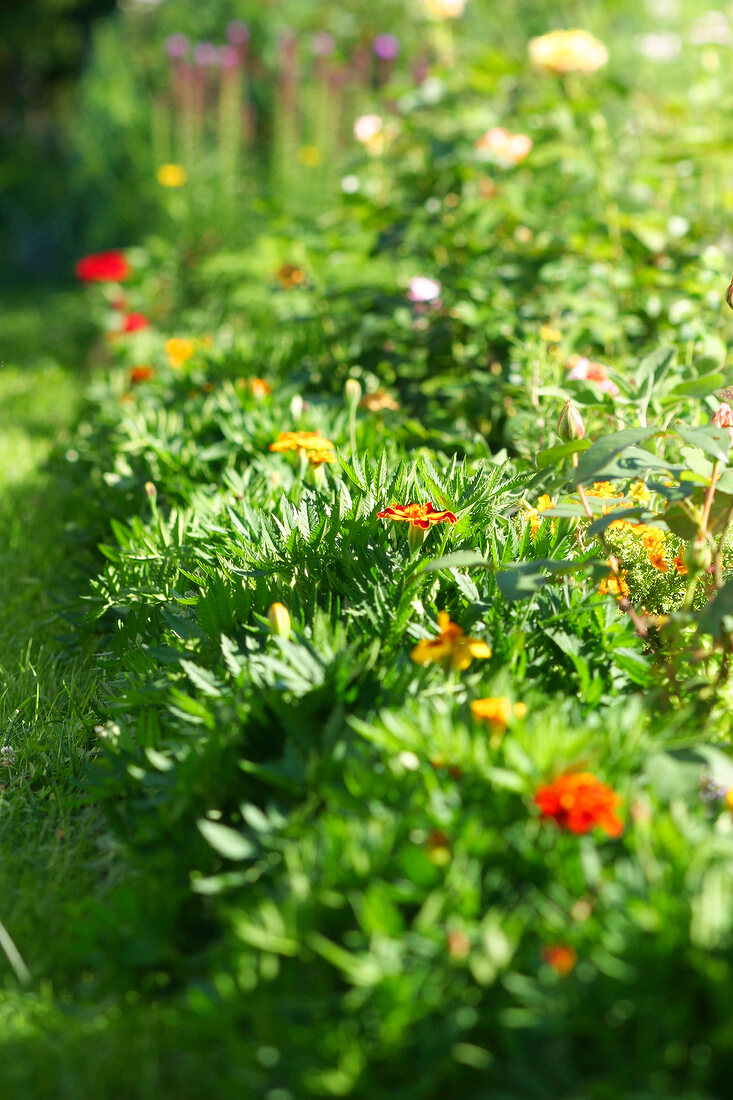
(386, 47)
(176, 46)
(238, 33)
(228, 57)
(205, 54)
(323, 44)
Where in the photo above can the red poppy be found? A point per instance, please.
(103, 267)
(133, 322)
(579, 802)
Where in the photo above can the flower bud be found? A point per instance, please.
(352, 392)
(150, 490)
(296, 406)
(570, 426)
(729, 294)
(278, 617)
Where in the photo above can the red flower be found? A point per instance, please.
(133, 322)
(417, 515)
(560, 957)
(103, 267)
(579, 802)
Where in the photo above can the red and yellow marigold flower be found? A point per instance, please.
(498, 711)
(259, 388)
(579, 802)
(423, 516)
(451, 646)
(301, 441)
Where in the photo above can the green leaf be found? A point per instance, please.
(561, 451)
(711, 439)
(697, 387)
(523, 580)
(717, 617)
(461, 559)
(655, 365)
(593, 463)
(227, 842)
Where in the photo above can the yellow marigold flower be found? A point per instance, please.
(638, 491)
(451, 646)
(301, 441)
(318, 458)
(497, 711)
(179, 351)
(171, 175)
(534, 514)
(550, 335)
(603, 489)
(729, 798)
(377, 401)
(571, 51)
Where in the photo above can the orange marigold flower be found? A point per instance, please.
(451, 646)
(179, 351)
(318, 458)
(498, 711)
(578, 802)
(679, 565)
(417, 515)
(614, 585)
(301, 441)
(377, 401)
(289, 275)
(560, 957)
(260, 388)
(656, 558)
(142, 373)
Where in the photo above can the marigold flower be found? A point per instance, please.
(614, 585)
(578, 802)
(656, 558)
(603, 489)
(679, 565)
(504, 147)
(497, 711)
(417, 515)
(377, 401)
(729, 798)
(134, 322)
(179, 351)
(318, 458)
(570, 51)
(260, 388)
(534, 516)
(560, 957)
(289, 276)
(103, 267)
(278, 618)
(301, 441)
(171, 175)
(450, 646)
(142, 373)
(550, 335)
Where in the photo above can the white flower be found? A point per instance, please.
(367, 127)
(663, 46)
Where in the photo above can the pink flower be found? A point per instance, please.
(504, 147)
(724, 418)
(423, 289)
(582, 369)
